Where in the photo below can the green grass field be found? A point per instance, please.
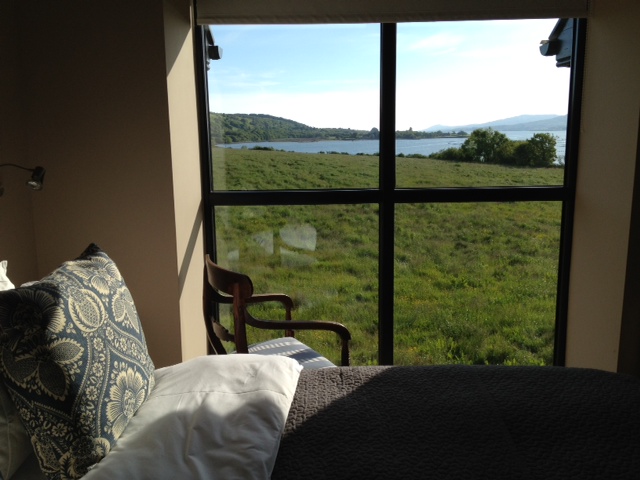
(474, 283)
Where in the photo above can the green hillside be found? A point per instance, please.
(240, 127)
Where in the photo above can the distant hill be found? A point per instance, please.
(521, 122)
(558, 122)
(241, 127)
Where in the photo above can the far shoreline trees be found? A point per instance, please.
(242, 128)
(486, 145)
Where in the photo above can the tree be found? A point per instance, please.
(543, 149)
(486, 145)
(538, 151)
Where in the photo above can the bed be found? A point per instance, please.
(448, 422)
(252, 416)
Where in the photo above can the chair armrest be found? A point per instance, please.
(281, 298)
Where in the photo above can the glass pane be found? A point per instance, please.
(324, 257)
(295, 107)
(476, 283)
(471, 94)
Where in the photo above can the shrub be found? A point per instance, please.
(451, 153)
(266, 149)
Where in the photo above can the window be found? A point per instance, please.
(329, 193)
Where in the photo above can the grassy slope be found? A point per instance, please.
(475, 283)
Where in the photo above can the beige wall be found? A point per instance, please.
(17, 240)
(186, 175)
(95, 87)
(608, 143)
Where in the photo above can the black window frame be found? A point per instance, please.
(387, 195)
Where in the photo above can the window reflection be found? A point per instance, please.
(324, 257)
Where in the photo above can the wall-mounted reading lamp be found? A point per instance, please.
(34, 183)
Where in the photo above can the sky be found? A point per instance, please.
(448, 73)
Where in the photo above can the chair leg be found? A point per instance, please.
(345, 360)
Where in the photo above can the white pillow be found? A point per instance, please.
(16, 446)
(5, 283)
(217, 417)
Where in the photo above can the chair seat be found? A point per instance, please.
(292, 348)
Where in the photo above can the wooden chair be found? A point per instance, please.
(227, 287)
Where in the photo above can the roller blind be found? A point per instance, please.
(381, 11)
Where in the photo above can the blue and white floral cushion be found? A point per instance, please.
(15, 446)
(75, 362)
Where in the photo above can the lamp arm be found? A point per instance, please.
(16, 166)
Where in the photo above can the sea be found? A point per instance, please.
(407, 147)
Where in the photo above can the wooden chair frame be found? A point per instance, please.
(228, 287)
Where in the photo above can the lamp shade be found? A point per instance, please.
(37, 177)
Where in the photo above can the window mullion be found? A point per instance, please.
(387, 186)
(570, 179)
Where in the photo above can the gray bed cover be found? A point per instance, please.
(462, 422)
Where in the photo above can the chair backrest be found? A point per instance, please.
(226, 281)
(225, 286)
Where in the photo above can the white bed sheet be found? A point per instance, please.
(213, 417)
